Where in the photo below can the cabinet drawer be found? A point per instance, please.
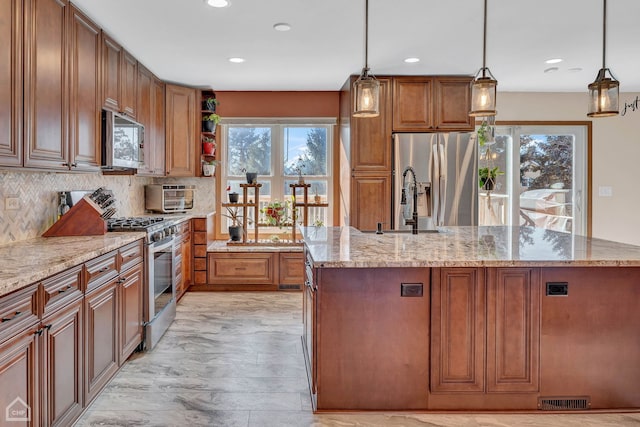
(131, 255)
(18, 311)
(245, 269)
(101, 269)
(61, 289)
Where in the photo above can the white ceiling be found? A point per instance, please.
(188, 42)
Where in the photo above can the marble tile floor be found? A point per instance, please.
(235, 359)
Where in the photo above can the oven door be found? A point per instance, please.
(161, 293)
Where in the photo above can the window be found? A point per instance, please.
(280, 151)
(546, 180)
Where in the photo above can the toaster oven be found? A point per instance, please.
(168, 198)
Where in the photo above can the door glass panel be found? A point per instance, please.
(545, 180)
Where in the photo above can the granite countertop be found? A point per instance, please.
(221, 246)
(494, 246)
(29, 261)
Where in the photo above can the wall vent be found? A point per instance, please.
(564, 403)
(289, 287)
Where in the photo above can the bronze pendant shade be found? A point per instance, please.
(483, 87)
(366, 90)
(604, 91)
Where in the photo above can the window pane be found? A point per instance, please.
(249, 148)
(305, 148)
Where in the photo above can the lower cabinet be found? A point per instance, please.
(370, 195)
(184, 261)
(130, 292)
(101, 350)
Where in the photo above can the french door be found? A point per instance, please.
(545, 183)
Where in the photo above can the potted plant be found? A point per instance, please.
(235, 229)
(252, 177)
(209, 167)
(209, 122)
(298, 170)
(209, 103)
(208, 145)
(233, 196)
(487, 177)
(275, 213)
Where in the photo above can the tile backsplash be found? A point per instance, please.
(37, 194)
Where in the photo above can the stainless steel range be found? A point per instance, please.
(160, 271)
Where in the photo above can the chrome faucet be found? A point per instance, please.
(403, 199)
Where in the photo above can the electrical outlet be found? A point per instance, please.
(11, 204)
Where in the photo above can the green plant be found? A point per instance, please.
(234, 214)
(483, 133)
(212, 162)
(485, 174)
(213, 117)
(206, 138)
(276, 213)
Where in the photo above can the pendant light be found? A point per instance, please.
(603, 92)
(483, 87)
(366, 90)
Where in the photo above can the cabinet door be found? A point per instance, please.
(11, 83)
(143, 115)
(101, 338)
(412, 104)
(19, 390)
(111, 73)
(259, 268)
(46, 97)
(63, 369)
(370, 201)
(291, 268)
(457, 330)
(84, 124)
(187, 259)
(128, 85)
(453, 103)
(157, 128)
(513, 310)
(130, 289)
(180, 130)
(371, 136)
(309, 322)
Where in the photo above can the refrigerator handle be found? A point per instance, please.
(435, 182)
(442, 184)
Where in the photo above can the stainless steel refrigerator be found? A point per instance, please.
(446, 174)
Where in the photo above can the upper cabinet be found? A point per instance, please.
(119, 78)
(431, 104)
(150, 112)
(180, 132)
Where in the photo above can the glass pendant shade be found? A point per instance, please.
(366, 95)
(483, 97)
(603, 95)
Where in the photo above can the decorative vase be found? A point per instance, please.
(235, 233)
(233, 197)
(208, 148)
(208, 170)
(252, 177)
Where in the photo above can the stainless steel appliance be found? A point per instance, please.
(167, 198)
(122, 142)
(434, 180)
(160, 271)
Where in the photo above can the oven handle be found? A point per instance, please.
(162, 245)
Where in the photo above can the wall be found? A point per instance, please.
(615, 154)
(278, 104)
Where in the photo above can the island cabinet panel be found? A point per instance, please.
(458, 330)
(369, 201)
(372, 344)
(309, 325)
(11, 83)
(513, 338)
(589, 337)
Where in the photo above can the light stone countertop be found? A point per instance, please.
(494, 246)
(29, 261)
(221, 246)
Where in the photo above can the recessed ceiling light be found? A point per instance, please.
(553, 61)
(411, 60)
(551, 70)
(282, 26)
(236, 60)
(574, 70)
(217, 3)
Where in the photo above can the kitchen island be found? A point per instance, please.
(471, 318)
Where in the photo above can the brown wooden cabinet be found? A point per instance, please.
(150, 112)
(309, 310)
(248, 268)
(46, 88)
(431, 104)
(181, 124)
(101, 337)
(370, 205)
(130, 294)
(185, 266)
(291, 270)
(119, 78)
(202, 227)
(85, 94)
(11, 75)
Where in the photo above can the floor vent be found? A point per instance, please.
(289, 287)
(564, 403)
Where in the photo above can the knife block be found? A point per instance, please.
(83, 219)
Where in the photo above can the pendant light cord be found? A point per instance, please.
(484, 42)
(366, 34)
(604, 32)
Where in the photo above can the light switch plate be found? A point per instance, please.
(605, 191)
(11, 203)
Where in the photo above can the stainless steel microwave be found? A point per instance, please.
(167, 198)
(122, 142)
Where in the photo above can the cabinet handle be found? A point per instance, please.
(8, 319)
(38, 332)
(103, 269)
(60, 291)
(74, 165)
(241, 268)
(48, 327)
